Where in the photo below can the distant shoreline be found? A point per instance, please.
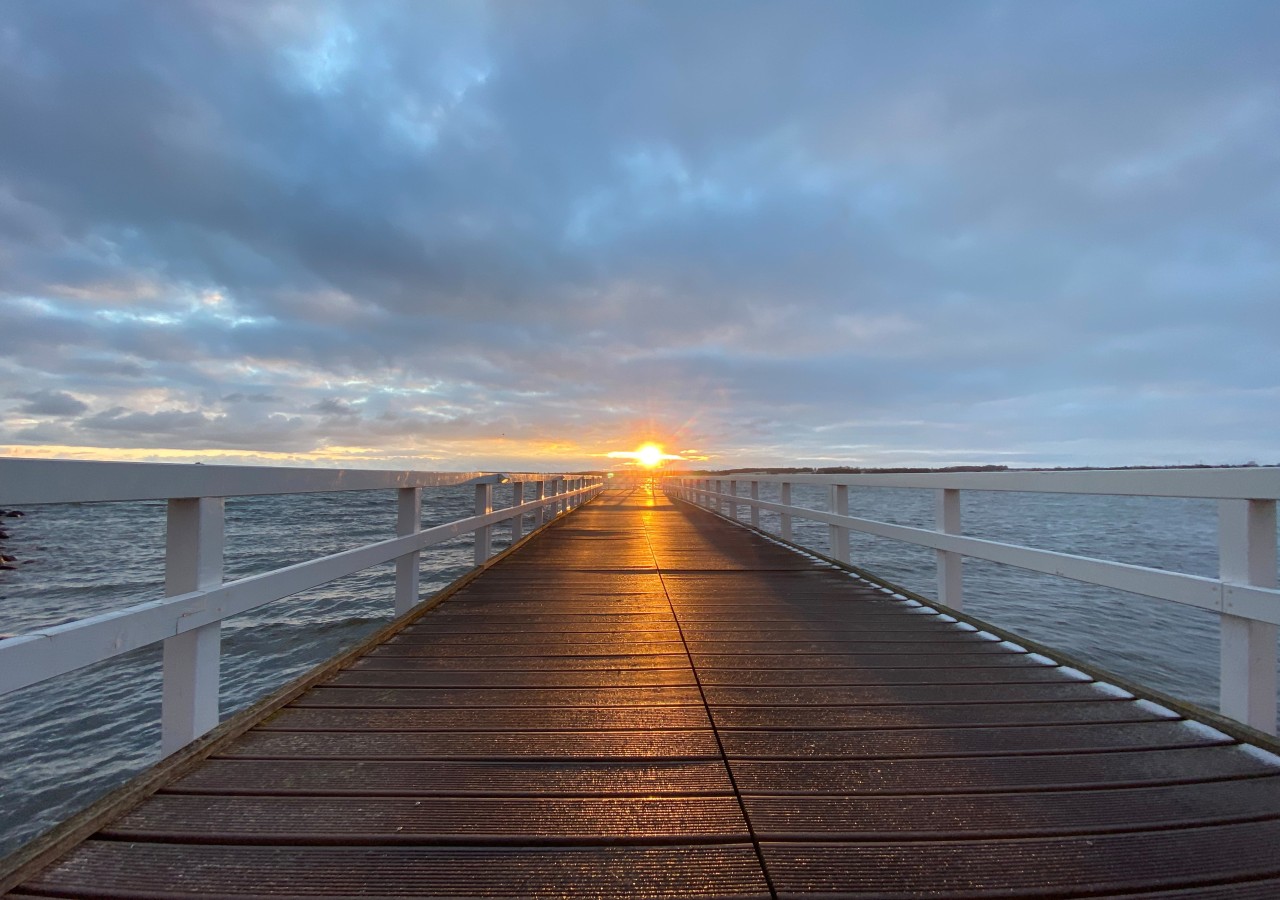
(920, 470)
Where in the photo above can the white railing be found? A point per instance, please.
(188, 619)
(1244, 595)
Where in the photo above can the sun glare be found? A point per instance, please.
(650, 455)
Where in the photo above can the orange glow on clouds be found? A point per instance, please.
(527, 454)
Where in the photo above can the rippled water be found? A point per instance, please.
(69, 740)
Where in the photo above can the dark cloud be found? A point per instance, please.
(331, 406)
(770, 230)
(145, 423)
(51, 403)
(252, 398)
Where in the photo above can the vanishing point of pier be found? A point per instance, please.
(643, 701)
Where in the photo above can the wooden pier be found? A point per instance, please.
(646, 701)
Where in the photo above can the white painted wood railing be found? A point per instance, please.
(1244, 595)
(188, 619)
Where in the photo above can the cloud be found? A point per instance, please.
(331, 406)
(163, 422)
(448, 228)
(51, 403)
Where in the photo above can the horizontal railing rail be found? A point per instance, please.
(187, 620)
(1245, 594)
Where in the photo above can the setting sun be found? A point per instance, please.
(648, 455)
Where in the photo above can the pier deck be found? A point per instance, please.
(646, 701)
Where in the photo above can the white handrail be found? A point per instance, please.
(1244, 595)
(1245, 483)
(188, 620)
(27, 481)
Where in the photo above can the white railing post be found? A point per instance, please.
(720, 504)
(755, 510)
(839, 534)
(1247, 555)
(950, 564)
(193, 561)
(408, 521)
(733, 503)
(517, 521)
(484, 506)
(540, 493)
(784, 497)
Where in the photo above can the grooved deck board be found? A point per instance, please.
(647, 702)
(926, 742)
(882, 675)
(683, 744)
(967, 715)
(1090, 811)
(481, 697)
(470, 678)
(360, 820)
(604, 718)
(398, 778)
(423, 661)
(144, 871)
(1072, 865)
(895, 695)
(1049, 772)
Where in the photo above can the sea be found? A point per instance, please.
(67, 741)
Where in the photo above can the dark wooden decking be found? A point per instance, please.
(647, 702)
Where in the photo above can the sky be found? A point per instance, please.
(520, 235)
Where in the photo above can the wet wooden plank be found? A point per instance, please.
(1079, 865)
(471, 678)
(674, 744)
(574, 718)
(160, 871)
(1046, 772)
(964, 715)
(991, 815)
(433, 820)
(458, 778)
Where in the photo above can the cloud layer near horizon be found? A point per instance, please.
(514, 235)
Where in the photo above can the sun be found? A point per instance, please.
(650, 455)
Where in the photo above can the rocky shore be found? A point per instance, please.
(7, 560)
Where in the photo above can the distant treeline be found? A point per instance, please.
(858, 470)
